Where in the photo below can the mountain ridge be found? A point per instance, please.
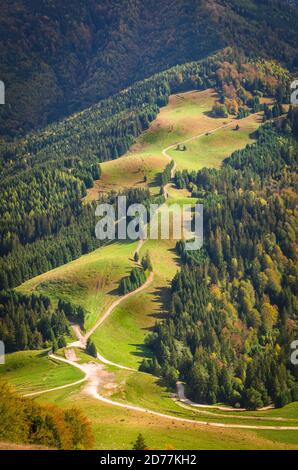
(57, 60)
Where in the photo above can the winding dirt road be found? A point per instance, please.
(92, 389)
(90, 370)
(82, 339)
(115, 304)
(183, 399)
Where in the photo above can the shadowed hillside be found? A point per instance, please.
(56, 60)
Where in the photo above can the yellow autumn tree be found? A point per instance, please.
(269, 315)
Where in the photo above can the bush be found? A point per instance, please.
(219, 110)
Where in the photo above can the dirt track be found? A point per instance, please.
(91, 377)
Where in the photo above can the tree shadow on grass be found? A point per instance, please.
(142, 351)
(43, 353)
(156, 182)
(115, 291)
(161, 296)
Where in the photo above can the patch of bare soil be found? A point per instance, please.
(13, 446)
(99, 379)
(70, 354)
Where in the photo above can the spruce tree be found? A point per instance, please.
(139, 443)
(91, 348)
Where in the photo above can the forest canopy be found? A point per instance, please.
(233, 312)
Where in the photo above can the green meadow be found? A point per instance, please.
(117, 428)
(209, 150)
(32, 371)
(90, 281)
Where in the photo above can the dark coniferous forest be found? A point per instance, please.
(233, 310)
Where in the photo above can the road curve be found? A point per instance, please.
(182, 398)
(82, 339)
(92, 390)
(72, 384)
(110, 363)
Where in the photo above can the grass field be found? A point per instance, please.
(126, 172)
(185, 116)
(210, 150)
(31, 371)
(148, 392)
(91, 281)
(116, 428)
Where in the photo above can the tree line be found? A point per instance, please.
(136, 278)
(33, 322)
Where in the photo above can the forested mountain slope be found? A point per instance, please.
(58, 57)
(233, 312)
(45, 175)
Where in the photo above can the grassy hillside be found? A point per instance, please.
(32, 371)
(91, 281)
(121, 337)
(129, 171)
(114, 428)
(66, 155)
(210, 150)
(186, 116)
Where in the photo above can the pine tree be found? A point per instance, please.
(91, 348)
(139, 443)
(54, 345)
(62, 342)
(146, 262)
